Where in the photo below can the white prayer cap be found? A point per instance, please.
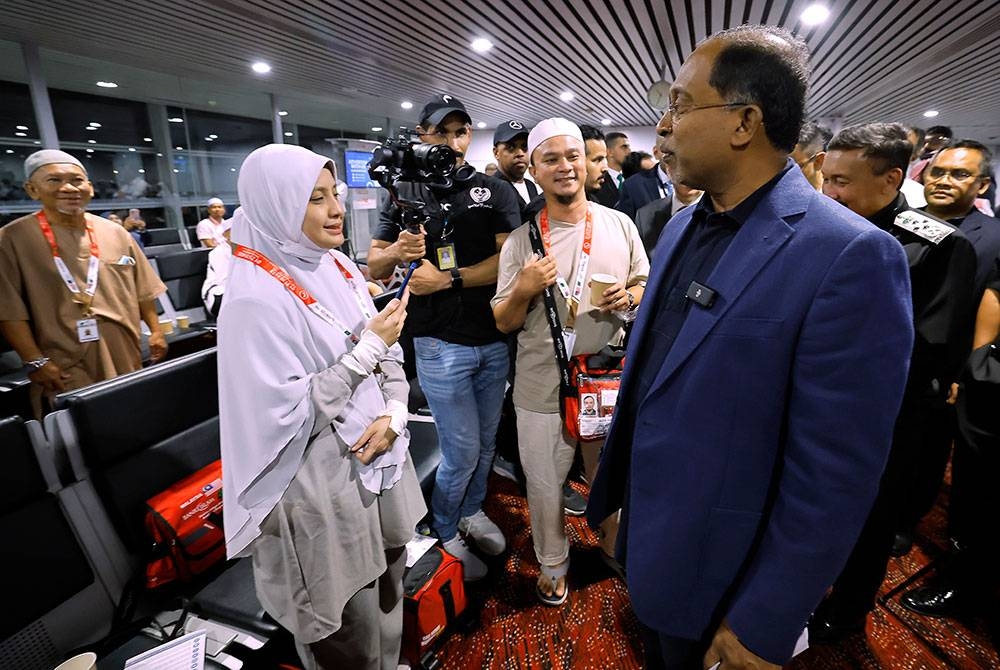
(214, 201)
(550, 128)
(48, 157)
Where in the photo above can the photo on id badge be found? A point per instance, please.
(446, 257)
(86, 330)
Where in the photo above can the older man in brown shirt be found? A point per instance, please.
(73, 286)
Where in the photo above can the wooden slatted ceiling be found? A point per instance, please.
(872, 60)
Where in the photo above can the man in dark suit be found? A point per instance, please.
(644, 187)
(617, 148)
(764, 373)
(652, 217)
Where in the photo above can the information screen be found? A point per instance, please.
(357, 168)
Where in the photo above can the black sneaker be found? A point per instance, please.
(574, 503)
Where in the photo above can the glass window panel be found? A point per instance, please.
(17, 116)
(121, 122)
(12, 172)
(223, 133)
(121, 174)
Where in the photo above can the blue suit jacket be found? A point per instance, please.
(639, 189)
(756, 453)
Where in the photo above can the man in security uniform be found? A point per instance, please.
(863, 170)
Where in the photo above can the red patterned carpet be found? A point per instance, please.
(596, 628)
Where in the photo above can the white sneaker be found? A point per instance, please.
(473, 568)
(486, 534)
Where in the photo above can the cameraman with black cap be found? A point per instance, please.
(510, 148)
(461, 357)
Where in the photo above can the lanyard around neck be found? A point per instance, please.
(572, 298)
(85, 297)
(307, 299)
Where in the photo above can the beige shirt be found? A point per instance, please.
(617, 250)
(32, 290)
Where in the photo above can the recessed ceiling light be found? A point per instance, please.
(232, 169)
(931, 113)
(21, 127)
(813, 15)
(406, 104)
(209, 139)
(176, 170)
(147, 139)
(159, 155)
(141, 171)
(10, 151)
(107, 84)
(282, 113)
(179, 148)
(260, 67)
(37, 142)
(115, 171)
(175, 119)
(214, 136)
(90, 151)
(481, 124)
(94, 124)
(481, 45)
(91, 141)
(131, 148)
(567, 96)
(288, 133)
(605, 122)
(90, 128)
(20, 134)
(376, 129)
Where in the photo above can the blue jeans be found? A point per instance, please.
(464, 387)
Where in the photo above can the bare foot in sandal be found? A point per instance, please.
(551, 588)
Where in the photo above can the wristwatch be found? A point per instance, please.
(456, 278)
(37, 364)
(631, 302)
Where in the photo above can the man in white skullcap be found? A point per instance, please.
(568, 226)
(212, 230)
(73, 286)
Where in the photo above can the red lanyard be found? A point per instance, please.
(265, 264)
(86, 297)
(572, 299)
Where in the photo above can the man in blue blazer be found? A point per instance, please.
(763, 376)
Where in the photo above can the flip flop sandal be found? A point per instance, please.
(553, 573)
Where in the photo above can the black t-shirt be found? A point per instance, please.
(470, 216)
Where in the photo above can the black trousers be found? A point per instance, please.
(918, 431)
(974, 516)
(666, 652)
(928, 459)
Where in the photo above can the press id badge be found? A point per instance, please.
(446, 257)
(86, 330)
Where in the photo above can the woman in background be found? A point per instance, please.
(319, 488)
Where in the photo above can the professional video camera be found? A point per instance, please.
(402, 159)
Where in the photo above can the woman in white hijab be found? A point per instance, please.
(319, 488)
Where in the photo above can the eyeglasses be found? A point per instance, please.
(676, 113)
(959, 175)
(809, 160)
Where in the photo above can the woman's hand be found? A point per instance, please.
(377, 439)
(388, 323)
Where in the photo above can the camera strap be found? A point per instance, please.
(307, 299)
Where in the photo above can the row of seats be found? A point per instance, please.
(73, 502)
(161, 241)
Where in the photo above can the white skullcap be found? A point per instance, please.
(49, 157)
(550, 128)
(214, 201)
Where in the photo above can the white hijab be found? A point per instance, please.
(271, 345)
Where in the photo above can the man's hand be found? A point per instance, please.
(157, 346)
(427, 279)
(51, 377)
(377, 439)
(952, 395)
(409, 247)
(536, 275)
(727, 650)
(614, 299)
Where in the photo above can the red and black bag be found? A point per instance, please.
(590, 401)
(185, 524)
(433, 598)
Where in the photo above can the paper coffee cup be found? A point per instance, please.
(166, 326)
(86, 661)
(183, 321)
(598, 284)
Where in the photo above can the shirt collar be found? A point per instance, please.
(741, 212)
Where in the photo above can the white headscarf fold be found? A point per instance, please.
(266, 368)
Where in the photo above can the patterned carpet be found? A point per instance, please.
(596, 628)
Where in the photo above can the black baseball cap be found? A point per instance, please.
(441, 106)
(505, 132)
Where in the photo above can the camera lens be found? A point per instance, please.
(436, 159)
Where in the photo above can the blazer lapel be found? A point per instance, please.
(757, 241)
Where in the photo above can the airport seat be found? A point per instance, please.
(184, 273)
(192, 233)
(129, 438)
(425, 452)
(54, 601)
(160, 236)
